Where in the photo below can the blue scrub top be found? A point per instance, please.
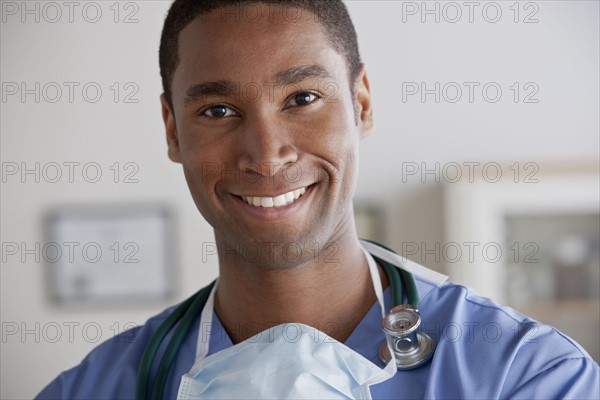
(484, 351)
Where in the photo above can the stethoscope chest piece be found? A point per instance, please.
(411, 348)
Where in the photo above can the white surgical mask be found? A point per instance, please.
(288, 361)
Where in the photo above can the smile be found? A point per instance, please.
(278, 201)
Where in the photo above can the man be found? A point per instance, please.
(273, 96)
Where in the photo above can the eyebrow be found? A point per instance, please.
(298, 74)
(210, 89)
(226, 88)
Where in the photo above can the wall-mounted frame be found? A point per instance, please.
(101, 254)
(476, 213)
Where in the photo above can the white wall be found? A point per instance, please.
(559, 55)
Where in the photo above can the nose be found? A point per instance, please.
(266, 146)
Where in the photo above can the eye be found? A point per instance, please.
(218, 111)
(303, 99)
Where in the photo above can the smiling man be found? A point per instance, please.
(265, 104)
(286, 143)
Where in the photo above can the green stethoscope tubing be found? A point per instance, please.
(187, 312)
(397, 278)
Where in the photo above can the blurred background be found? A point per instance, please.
(484, 166)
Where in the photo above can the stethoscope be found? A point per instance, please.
(411, 348)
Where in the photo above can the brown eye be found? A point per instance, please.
(218, 111)
(303, 99)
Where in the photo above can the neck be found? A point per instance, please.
(331, 292)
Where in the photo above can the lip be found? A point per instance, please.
(272, 213)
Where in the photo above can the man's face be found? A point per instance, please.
(263, 114)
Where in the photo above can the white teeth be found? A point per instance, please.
(266, 202)
(289, 197)
(299, 192)
(279, 201)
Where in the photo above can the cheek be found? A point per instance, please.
(203, 169)
(200, 172)
(196, 183)
(203, 154)
(201, 179)
(335, 140)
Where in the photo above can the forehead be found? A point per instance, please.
(252, 43)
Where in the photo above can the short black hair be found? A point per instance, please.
(332, 14)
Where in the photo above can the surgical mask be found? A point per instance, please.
(288, 361)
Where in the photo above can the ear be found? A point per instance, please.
(364, 105)
(171, 130)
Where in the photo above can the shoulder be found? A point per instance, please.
(456, 305)
(481, 341)
(110, 370)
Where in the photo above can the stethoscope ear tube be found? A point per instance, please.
(399, 278)
(143, 376)
(185, 314)
(395, 281)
